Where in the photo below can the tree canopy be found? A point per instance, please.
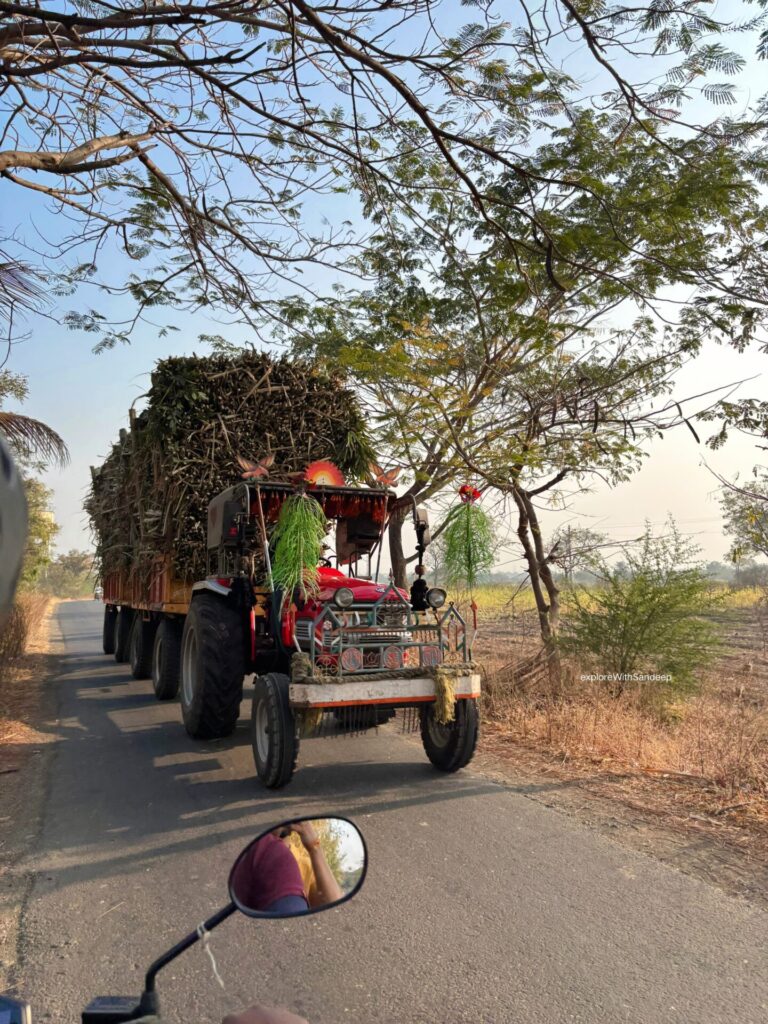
(199, 140)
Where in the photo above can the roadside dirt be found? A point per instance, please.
(27, 740)
(681, 819)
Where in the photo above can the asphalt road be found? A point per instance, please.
(481, 906)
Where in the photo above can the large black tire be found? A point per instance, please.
(212, 668)
(108, 636)
(166, 659)
(140, 647)
(274, 730)
(450, 747)
(123, 627)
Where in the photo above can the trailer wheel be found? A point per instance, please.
(274, 730)
(212, 668)
(108, 636)
(450, 747)
(140, 648)
(166, 659)
(123, 626)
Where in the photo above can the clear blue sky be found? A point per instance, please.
(86, 398)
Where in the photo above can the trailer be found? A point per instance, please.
(346, 659)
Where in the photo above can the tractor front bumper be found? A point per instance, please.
(394, 691)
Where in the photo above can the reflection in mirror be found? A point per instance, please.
(299, 867)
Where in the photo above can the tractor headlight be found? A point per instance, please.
(436, 597)
(343, 597)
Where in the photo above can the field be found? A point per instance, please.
(704, 755)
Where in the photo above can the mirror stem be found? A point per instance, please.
(149, 998)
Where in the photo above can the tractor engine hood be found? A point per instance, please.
(364, 590)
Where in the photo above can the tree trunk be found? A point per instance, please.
(396, 555)
(545, 591)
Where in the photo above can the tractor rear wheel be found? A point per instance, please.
(140, 651)
(108, 635)
(123, 627)
(166, 659)
(452, 746)
(212, 668)
(274, 730)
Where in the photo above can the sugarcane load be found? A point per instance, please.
(239, 526)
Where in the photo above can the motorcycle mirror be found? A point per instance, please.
(299, 867)
(14, 1011)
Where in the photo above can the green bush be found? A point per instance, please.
(644, 617)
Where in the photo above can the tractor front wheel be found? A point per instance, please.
(274, 730)
(142, 639)
(123, 627)
(108, 635)
(166, 659)
(452, 746)
(212, 668)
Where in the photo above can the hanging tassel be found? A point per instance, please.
(445, 695)
(298, 537)
(469, 540)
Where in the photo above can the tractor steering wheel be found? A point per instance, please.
(326, 563)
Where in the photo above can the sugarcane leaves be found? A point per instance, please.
(298, 540)
(469, 545)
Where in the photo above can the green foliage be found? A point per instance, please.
(647, 618)
(42, 529)
(69, 575)
(745, 510)
(468, 545)
(298, 540)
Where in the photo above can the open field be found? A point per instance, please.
(699, 762)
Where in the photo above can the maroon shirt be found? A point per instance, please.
(268, 872)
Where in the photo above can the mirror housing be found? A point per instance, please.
(299, 867)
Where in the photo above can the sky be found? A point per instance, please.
(86, 398)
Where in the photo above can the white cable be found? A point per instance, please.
(204, 937)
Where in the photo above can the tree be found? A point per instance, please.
(578, 549)
(649, 620)
(41, 530)
(745, 511)
(477, 365)
(28, 437)
(189, 137)
(70, 575)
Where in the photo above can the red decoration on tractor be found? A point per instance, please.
(469, 494)
(324, 472)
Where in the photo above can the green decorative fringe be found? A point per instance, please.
(298, 538)
(469, 545)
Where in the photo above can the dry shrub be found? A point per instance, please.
(718, 736)
(27, 612)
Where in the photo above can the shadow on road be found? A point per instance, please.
(152, 792)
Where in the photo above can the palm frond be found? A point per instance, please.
(34, 438)
(18, 286)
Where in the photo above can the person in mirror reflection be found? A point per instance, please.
(268, 879)
(320, 885)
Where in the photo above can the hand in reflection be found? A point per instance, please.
(305, 830)
(264, 1015)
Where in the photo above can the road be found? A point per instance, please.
(481, 906)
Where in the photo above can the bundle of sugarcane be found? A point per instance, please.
(203, 415)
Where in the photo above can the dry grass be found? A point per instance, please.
(23, 643)
(717, 738)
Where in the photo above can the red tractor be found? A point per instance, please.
(344, 660)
